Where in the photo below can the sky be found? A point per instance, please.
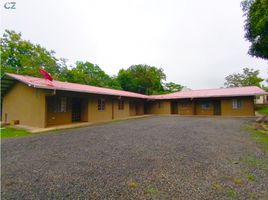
(197, 43)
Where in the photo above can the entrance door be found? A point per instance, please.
(132, 108)
(76, 110)
(174, 107)
(217, 107)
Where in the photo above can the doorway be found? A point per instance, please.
(217, 107)
(76, 110)
(174, 107)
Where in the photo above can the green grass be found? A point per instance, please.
(7, 132)
(262, 139)
(152, 191)
(253, 161)
(262, 109)
(231, 193)
(133, 184)
(251, 177)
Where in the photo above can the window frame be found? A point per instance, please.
(101, 104)
(60, 105)
(205, 105)
(236, 104)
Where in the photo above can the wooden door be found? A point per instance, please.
(76, 109)
(174, 107)
(217, 107)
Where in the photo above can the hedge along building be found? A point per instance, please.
(36, 102)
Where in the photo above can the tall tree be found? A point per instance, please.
(23, 57)
(256, 26)
(143, 79)
(172, 87)
(249, 77)
(90, 74)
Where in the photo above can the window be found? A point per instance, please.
(237, 103)
(120, 104)
(101, 104)
(60, 104)
(63, 104)
(205, 105)
(185, 104)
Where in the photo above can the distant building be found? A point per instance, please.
(261, 99)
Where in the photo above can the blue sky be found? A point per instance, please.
(197, 43)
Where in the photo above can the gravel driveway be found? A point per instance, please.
(161, 157)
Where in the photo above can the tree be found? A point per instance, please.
(142, 79)
(23, 57)
(172, 87)
(256, 26)
(90, 74)
(249, 77)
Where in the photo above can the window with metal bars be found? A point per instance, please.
(60, 104)
(237, 103)
(101, 104)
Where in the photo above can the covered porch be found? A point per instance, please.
(66, 109)
(196, 106)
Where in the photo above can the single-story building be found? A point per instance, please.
(38, 102)
(261, 99)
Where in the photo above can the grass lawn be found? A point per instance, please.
(262, 109)
(7, 132)
(262, 139)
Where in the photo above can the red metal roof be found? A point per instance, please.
(221, 92)
(58, 85)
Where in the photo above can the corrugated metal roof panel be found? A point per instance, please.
(221, 92)
(58, 85)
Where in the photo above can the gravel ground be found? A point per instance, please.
(161, 157)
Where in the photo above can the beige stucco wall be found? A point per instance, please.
(119, 114)
(154, 108)
(95, 115)
(185, 107)
(25, 104)
(246, 110)
(204, 111)
(136, 107)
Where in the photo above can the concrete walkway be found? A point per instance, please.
(73, 125)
